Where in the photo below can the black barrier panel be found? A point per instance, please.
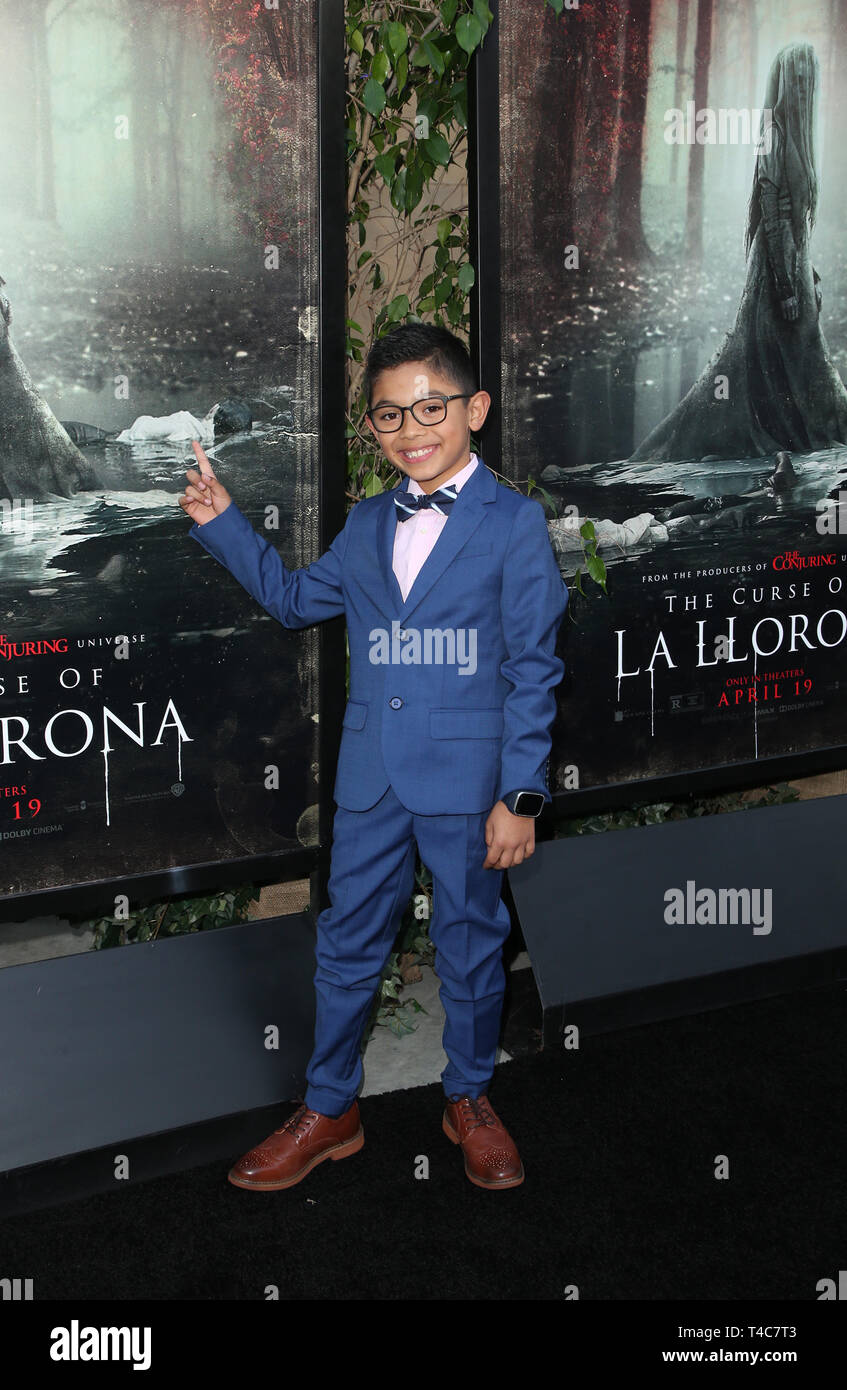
(633, 925)
(116, 1045)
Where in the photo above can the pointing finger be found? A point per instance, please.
(202, 460)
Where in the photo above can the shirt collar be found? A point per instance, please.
(457, 481)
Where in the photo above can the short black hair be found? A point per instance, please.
(421, 342)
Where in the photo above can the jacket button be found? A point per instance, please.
(395, 702)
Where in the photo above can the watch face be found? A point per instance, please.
(529, 804)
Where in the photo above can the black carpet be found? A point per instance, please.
(620, 1142)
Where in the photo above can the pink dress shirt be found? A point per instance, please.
(414, 538)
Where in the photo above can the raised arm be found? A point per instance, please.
(296, 598)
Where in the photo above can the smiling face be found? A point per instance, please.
(431, 454)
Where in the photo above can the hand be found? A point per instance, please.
(510, 839)
(204, 497)
(790, 308)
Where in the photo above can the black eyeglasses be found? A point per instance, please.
(431, 410)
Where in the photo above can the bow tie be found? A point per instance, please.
(410, 503)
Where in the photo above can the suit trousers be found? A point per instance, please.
(370, 884)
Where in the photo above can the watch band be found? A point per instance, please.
(524, 803)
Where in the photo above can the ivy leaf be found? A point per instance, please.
(443, 290)
(373, 485)
(448, 12)
(427, 54)
(438, 149)
(398, 194)
(357, 42)
(373, 97)
(444, 229)
(386, 164)
(468, 31)
(549, 501)
(414, 187)
(398, 307)
(597, 569)
(402, 71)
(380, 67)
(467, 276)
(396, 38)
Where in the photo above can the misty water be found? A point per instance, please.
(49, 548)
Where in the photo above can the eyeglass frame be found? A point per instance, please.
(433, 396)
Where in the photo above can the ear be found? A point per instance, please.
(478, 407)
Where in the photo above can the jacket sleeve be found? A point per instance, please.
(534, 597)
(296, 598)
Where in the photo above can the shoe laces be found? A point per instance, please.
(301, 1119)
(480, 1112)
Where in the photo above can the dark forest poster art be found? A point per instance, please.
(159, 263)
(673, 301)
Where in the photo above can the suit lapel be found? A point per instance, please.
(463, 519)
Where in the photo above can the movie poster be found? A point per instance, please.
(159, 262)
(673, 319)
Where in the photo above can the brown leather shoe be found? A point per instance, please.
(293, 1150)
(491, 1158)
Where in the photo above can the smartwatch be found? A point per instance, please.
(524, 803)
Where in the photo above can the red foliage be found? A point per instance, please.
(259, 101)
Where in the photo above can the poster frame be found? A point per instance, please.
(94, 897)
(484, 171)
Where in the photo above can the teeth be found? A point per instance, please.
(418, 453)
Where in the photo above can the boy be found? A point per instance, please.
(447, 750)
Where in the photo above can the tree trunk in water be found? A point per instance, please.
(696, 163)
(46, 174)
(173, 100)
(143, 123)
(629, 239)
(679, 84)
(20, 155)
(37, 456)
(833, 176)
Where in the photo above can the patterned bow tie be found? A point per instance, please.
(410, 503)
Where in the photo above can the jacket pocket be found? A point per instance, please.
(466, 723)
(471, 551)
(355, 715)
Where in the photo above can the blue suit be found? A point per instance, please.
(451, 705)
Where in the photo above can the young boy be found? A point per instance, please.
(453, 601)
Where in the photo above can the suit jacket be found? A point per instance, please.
(452, 691)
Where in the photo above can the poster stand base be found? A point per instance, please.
(593, 913)
(103, 1050)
